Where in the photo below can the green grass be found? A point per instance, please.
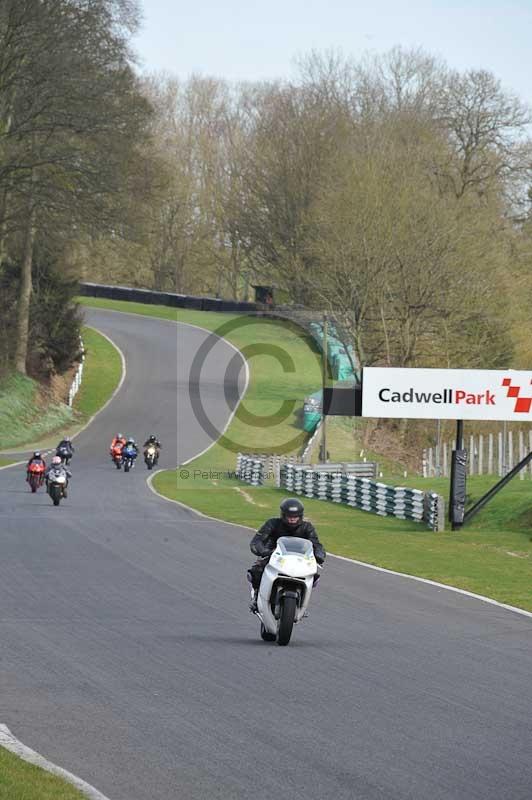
(24, 424)
(22, 781)
(101, 374)
(492, 556)
(21, 420)
(345, 443)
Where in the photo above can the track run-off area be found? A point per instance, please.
(129, 657)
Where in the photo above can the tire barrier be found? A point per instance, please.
(271, 464)
(331, 483)
(250, 469)
(166, 298)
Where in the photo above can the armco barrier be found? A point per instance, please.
(365, 494)
(166, 298)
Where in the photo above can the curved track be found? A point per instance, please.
(128, 655)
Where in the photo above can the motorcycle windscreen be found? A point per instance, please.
(293, 545)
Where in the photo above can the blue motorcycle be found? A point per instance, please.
(129, 454)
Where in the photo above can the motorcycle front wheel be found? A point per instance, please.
(55, 494)
(286, 622)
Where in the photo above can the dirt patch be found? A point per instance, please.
(55, 390)
(248, 498)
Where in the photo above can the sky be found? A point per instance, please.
(249, 40)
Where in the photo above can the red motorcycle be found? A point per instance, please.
(116, 455)
(36, 476)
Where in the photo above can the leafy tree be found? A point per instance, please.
(71, 116)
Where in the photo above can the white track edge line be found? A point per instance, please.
(211, 333)
(427, 581)
(15, 746)
(117, 389)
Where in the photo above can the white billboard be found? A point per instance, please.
(447, 394)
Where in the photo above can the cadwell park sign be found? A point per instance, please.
(447, 394)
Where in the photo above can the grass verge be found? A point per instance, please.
(23, 424)
(22, 781)
(492, 556)
(101, 374)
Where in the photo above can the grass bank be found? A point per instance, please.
(25, 424)
(22, 781)
(22, 419)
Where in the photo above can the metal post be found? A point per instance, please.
(498, 486)
(458, 446)
(438, 448)
(459, 434)
(323, 447)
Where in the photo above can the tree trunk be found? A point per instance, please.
(3, 215)
(24, 298)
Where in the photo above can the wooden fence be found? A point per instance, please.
(488, 454)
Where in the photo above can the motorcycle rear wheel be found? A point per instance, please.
(286, 622)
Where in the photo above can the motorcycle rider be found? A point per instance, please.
(65, 445)
(131, 445)
(35, 459)
(290, 523)
(118, 440)
(57, 468)
(152, 440)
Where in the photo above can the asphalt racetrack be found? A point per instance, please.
(128, 655)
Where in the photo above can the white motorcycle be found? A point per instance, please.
(285, 588)
(56, 485)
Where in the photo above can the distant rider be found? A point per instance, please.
(118, 441)
(36, 459)
(65, 449)
(130, 448)
(57, 468)
(152, 441)
(290, 523)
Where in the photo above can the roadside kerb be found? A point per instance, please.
(11, 743)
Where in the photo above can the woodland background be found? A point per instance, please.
(391, 190)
